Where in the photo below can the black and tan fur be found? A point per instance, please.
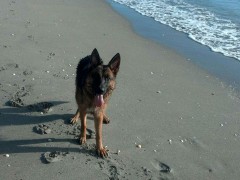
(94, 80)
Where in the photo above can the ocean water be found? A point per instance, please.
(214, 23)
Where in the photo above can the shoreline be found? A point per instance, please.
(169, 118)
(222, 67)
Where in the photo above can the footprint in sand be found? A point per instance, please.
(27, 72)
(17, 98)
(9, 66)
(162, 167)
(113, 172)
(111, 168)
(162, 170)
(56, 156)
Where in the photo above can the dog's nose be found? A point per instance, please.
(101, 89)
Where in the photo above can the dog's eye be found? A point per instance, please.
(108, 78)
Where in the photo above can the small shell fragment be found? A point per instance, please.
(139, 146)
(170, 141)
(7, 155)
(118, 151)
(48, 131)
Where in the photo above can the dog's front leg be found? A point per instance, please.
(83, 117)
(98, 121)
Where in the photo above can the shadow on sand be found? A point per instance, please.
(17, 116)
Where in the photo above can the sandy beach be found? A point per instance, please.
(169, 118)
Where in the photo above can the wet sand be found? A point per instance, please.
(169, 119)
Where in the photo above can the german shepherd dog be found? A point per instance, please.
(95, 83)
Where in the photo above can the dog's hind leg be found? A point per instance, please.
(76, 117)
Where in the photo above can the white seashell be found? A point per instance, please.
(7, 155)
(170, 141)
(139, 146)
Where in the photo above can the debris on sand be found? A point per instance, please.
(146, 171)
(43, 107)
(42, 129)
(139, 146)
(15, 102)
(161, 167)
(164, 168)
(7, 155)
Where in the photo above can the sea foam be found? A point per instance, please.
(219, 34)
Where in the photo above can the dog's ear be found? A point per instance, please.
(114, 64)
(95, 58)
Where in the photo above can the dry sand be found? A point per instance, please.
(183, 118)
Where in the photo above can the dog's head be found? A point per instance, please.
(101, 78)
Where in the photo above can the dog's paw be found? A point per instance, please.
(83, 140)
(106, 120)
(102, 152)
(73, 120)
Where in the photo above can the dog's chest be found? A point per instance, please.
(91, 110)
